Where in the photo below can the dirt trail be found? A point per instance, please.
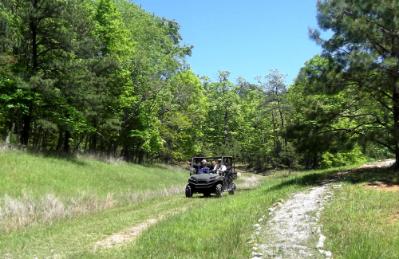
(248, 181)
(293, 229)
(130, 234)
(379, 164)
(126, 235)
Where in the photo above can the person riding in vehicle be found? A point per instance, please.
(221, 167)
(204, 169)
(215, 166)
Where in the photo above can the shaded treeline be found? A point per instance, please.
(106, 77)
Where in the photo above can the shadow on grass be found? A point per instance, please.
(72, 158)
(201, 196)
(387, 176)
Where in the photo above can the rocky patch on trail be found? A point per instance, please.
(293, 229)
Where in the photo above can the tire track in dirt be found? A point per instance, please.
(130, 234)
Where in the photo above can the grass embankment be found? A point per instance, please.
(363, 219)
(36, 175)
(36, 189)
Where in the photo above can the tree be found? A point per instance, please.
(275, 89)
(158, 56)
(112, 86)
(324, 120)
(182, 116)
(43, 38)
(365, 45)
(224, 116)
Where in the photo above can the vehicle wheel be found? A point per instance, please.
(189, 192)
(218, 190)
(232, 189)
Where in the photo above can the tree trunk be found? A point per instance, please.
(9, 133)
(280, 111)
(395, 107)
(44, 141)
(59, 142)
(25, 134)
(27, 119)
(93, 143)
(67, 137)
(225, 127)
(275, 139)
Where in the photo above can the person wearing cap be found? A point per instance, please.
(204, 169)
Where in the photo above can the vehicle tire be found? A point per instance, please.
(189, 192)
(232, 189)
(218, 190)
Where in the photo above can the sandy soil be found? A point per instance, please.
(379, 164)
(248, 181)
(381, 186)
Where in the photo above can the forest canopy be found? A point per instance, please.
(106, 77)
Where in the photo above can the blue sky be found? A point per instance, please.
(246, 38)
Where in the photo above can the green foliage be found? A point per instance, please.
(363, 52)
(221, 129)
(87, 75)
(183, 113)
(328, 118)
(107, 77)
(352, 157)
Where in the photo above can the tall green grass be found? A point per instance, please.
(37, 175)
(360, 223)
(37, 189)
(210, 228)
(217, 228)
(66, 238)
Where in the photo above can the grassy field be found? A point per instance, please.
(361, 222)
(213, 228)
(363, 219)
(209, 227)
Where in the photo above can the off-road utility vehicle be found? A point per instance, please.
(211, 175)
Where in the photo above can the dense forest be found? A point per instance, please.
(107, 78)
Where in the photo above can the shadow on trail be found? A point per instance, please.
(387, 176)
